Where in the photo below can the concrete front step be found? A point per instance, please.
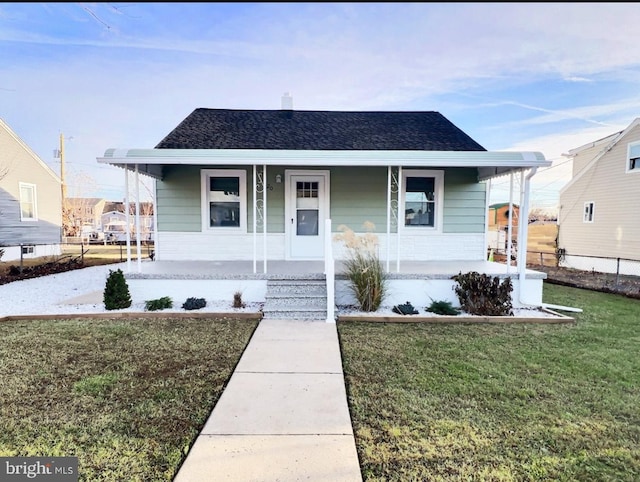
(287, 302)
(304, 315)
(296, 299)
(296, 289)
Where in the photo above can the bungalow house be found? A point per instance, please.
(598, 221)
(259, 195)
(30, 201)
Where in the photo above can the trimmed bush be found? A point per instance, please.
(194, 304)
(159, 304)
(406, 309)
(116, 292)
(442, 308)
(480, 294)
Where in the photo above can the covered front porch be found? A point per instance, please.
(419, 282)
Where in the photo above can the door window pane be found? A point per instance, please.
(307, 222)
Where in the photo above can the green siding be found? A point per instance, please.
(464, 202)
(357, 196)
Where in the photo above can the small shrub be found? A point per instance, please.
(406, 309)
(368, 280)
(442, 308)
(237, 300)
(159, 304)
(116, 292)
(480, 294)
(194, 304)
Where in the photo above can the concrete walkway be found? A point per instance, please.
(283, 416)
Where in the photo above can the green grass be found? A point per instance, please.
(499, 402)
(127, 397)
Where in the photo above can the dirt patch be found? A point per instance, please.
(592, 280)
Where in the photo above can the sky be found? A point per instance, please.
(546, 77)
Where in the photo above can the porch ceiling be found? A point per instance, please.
(489, 163)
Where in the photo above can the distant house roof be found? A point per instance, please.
(146, 208)
(501, 205)
(317, 130)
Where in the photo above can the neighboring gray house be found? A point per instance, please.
(277, 185)
(30, 201)
(599, 219)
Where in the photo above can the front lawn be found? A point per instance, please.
(499, 402)
(127, 397)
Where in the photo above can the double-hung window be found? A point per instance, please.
(633, 157)
(422, 199)
(28, 205)
(224, 195)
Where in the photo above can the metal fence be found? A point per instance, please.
(599, 272)
(26, 254)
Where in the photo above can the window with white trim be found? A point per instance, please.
(28, 206)
(422, 199)
(633, 157)
(224, 199)
(588, 212)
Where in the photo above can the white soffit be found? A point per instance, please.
(496, 162)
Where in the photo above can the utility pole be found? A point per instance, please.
(64, 185)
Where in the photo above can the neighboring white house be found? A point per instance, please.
(114, 222)
(30, 201)
(599, 216)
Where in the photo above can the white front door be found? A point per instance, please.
(307, 208)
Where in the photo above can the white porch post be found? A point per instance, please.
(510, 226)
(400, 218)
(137, 218)
(524, 232)
(264, 217)
(155, 220)
(126, 217)
(521, 218)
(487, 203)
(255, 222)
(388, 216)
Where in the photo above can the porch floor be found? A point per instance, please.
(279, 269)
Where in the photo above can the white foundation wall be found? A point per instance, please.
(420, 293)
(179, 290)
(13, 252)
(190, 246)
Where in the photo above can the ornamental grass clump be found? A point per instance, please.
(368, 281)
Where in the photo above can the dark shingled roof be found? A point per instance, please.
(317, 130)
